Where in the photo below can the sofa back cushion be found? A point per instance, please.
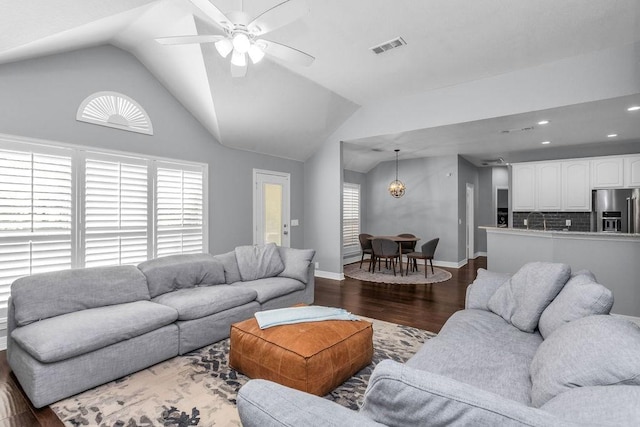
(258, 261)
(296, 263)
(230, 265)
(45, 295)
(174, 272)
(522, 299)
(483, 287)
(580, 297)
(592, 351)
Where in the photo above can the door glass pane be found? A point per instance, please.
(272, 213)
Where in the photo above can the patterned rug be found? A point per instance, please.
(386, 275)
(199, 388)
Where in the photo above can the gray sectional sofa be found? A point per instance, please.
(535, 349)
(72, 330)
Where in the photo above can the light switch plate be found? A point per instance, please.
(294, 223)
(568, 223)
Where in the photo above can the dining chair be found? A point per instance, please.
(407, 246)
(427, 252)
(365, 247)
(387, 249)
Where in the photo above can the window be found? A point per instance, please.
(66, 207)
(350, 215)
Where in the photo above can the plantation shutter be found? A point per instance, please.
(179, 209)
(116, 212)
(350, 214)
(35, 213)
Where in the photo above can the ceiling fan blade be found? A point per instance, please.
(278, 16)
(238, 70)
(189, 39)
(213, 13)
(286, 53)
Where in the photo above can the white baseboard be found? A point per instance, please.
(329, 275)
(477, 254)
(3, 343)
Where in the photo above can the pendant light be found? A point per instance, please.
(397, 188)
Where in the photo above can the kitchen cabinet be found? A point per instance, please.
(632, 171)
(576, 189)
(606, 172)
(548, 186)
(523, 187)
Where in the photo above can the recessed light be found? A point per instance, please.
(543, 122)
(612, 135)
(634, 108)
(545, 142)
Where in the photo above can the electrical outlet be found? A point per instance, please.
(568, 223)
(317, 265)
(525, 222)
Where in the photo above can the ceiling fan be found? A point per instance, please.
(241, 34)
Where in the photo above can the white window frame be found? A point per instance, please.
(78, 155)
(354, 246)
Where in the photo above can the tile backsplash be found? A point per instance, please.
(580, 221)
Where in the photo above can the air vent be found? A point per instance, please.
(391, 44)
(518, 130)
(498, 161)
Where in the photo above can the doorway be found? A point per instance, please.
(470, 223)
(271, 208)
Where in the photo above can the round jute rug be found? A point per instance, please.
(386, 275)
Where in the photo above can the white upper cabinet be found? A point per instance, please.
(548, 186)
(632, 171)
(606, 172)
(576, 191)
(524, 187)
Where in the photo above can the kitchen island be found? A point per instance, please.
(613, 257)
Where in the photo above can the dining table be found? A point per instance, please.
(399, 240)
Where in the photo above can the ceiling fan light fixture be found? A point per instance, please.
(224, 47)
(256, 53)
(239, 59)
(241, 43)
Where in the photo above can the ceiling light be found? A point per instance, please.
(397, 188)
(612, 135)
(241, 43)
(543, 122)
(545, 142)
(255, 53)
(224, 47)
(634, 108)
(238, 59)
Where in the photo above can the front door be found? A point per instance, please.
(271, 208)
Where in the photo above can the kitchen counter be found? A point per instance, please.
(613, 257)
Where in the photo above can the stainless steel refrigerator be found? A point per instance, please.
(616, 211)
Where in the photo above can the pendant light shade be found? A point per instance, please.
(397, 187)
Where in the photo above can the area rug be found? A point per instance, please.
(386, 275)
(199, 388)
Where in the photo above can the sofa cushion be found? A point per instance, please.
(45, 295)
(195, 303)
(258, 261)
(615, 405)
(592, 351)
(272, 287)
(475, 344)
(522, 299)
(230, 265)
(296, 262)
(580, 297)
(483, 287)
(174, 272)
(72, 334)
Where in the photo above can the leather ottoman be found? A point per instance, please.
(314, 357)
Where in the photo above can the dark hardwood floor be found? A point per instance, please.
(421, 306)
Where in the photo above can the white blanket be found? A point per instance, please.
(313, 313)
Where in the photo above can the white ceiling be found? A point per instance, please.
(289, 111)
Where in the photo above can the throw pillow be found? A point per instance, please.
(522, 299)
(592, 351)
(257, 262)
(296, 262)
(483, 287)
(580, 297)
(231, 271)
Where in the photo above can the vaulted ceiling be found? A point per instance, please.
(288, 110)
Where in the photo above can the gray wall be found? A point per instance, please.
(40, 98)
(428, 209)
(486, 213)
